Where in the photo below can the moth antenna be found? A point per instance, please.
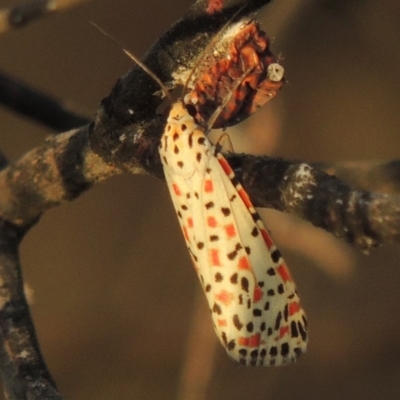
(137, 61)
(219, 145)
(208, 47)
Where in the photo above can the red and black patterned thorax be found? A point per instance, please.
(220, 71)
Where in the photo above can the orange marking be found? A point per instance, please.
(283, 331)
(244, 263)
(284, 273)
(258, 294)
(214, 6)
(252, 341)
(190, 222)
(267, 238)
(177, 191)
(245, 198)
(222, 322)
(224, 297)
(249, 48)
(230, 231)
(211, 222)
(208, 186)
(214, 254)
(224, 164)
(294, 308)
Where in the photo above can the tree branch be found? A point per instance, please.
(376, 176)
(40, 107)
(125, 137)
(24, 14)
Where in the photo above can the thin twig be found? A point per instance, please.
(373, 175)
(24, 14)
(18, 97)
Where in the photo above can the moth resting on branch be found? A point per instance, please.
(124, 137)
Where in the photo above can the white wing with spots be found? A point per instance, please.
(254, 304)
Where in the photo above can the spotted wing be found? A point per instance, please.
(253, 301)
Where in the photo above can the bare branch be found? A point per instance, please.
(20, 98)
(22, 367)
(377, 176)
(62, 169)
(21, 15)
(362, 218)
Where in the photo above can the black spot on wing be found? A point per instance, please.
(236, 322)
(276, 256)
(255, 232)
(250, 327)
(234, 278)
(217, 309)
(209, 205)
(257, 312)
(284, 349)
(226, 211)
(293, 329)
(190, 140)
(303, 332)
(278, 321)
(218, 277)
(245, 284)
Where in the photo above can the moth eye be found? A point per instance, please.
(191, 109)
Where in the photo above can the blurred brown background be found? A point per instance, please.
(115, 295)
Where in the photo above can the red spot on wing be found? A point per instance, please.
(245, 197)
(283, 331)
(190, 222)
(208, 186)
(252, 341)
(294, 308)
(244, 263)
(222, 323)
(284, 273)
(211, 222)
(224, 297)
(230, 231)
(176, 189)
(258, 294)
(267, 238)
(224, 164)
(214, 255)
